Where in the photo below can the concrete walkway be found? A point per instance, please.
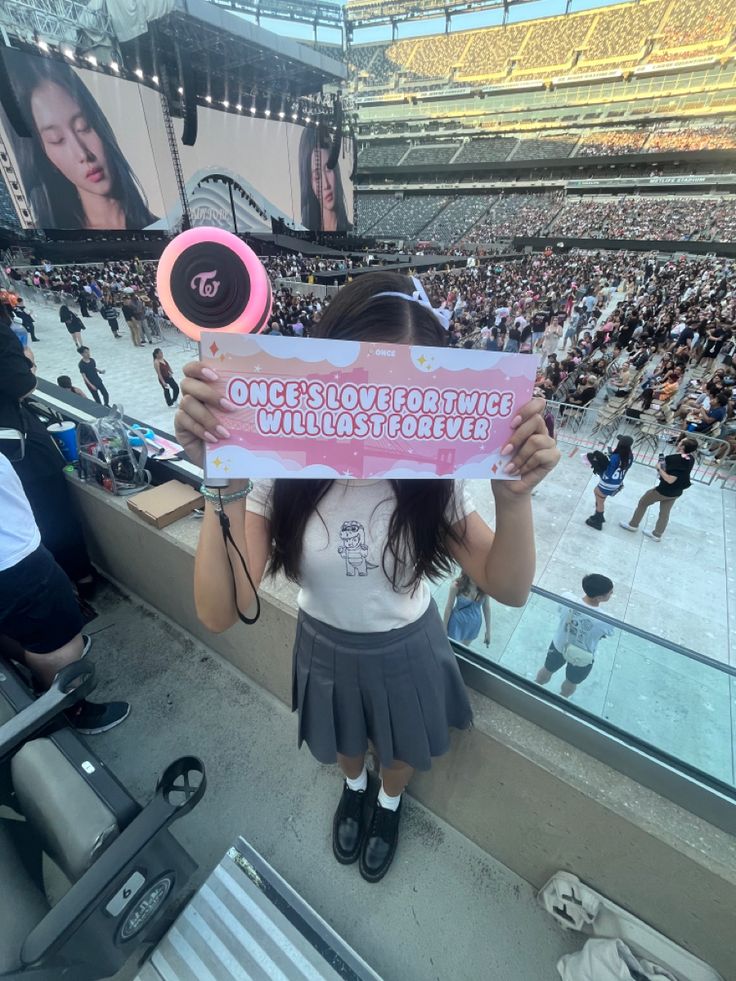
(446, 912)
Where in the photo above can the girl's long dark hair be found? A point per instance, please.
(317, 138)
(623, 449)
(54, 199)
(422, 522)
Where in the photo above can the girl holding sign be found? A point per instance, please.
(371, 656)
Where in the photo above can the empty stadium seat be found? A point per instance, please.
(88, 874)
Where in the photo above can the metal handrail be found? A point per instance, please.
(595, 428)
(629, 628)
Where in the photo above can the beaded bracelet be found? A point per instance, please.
(217, 497)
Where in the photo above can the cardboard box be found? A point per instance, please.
(161, 506)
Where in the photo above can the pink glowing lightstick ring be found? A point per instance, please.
(207, 279)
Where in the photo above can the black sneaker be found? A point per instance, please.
(380, 843)
(595, 521)
(91, 718)
(348, 825)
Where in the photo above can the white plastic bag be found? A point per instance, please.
(576, 906)
(609, 960)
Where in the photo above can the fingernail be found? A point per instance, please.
(225, 433)
(510, 468)
(209, 373)
(508, 448)
(516, 422)
(228, 406)
(210, 438)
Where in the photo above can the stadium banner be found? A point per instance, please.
(664, 181)
(98, 158)
(88, 162)
(348, 409)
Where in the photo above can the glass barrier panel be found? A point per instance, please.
(669, 698)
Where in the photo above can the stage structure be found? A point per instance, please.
(266, 106)
(321, 13)
(372, 13)
(55, 22)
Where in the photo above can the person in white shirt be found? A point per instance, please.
(577, 636)
(40, 620)
(371, 658)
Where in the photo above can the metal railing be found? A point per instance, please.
(595, 428)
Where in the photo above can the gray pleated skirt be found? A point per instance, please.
(402, 689)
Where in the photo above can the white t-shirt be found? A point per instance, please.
(342, 579)
(581, 630)
(19, 534)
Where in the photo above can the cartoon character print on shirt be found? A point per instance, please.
(353, 549)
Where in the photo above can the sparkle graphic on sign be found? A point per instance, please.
(217, 461)
(214, 348)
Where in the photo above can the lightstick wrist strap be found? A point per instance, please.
(229, 540)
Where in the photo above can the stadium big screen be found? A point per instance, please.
(97, 157)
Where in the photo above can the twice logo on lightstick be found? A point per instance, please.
(201, 283)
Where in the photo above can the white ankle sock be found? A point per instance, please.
(360, 782)
(390, 803)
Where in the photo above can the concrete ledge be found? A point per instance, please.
(532, 801)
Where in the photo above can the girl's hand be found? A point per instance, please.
(533, 452)
(195, 422)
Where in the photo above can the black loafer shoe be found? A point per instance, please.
(380, 843)
(348, 825)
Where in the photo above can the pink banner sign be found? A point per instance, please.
(342, 409)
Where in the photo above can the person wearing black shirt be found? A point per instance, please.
(91, 374)
(674, 478)
(72, 323)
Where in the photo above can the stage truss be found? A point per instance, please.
(371, 13)
(57, 21)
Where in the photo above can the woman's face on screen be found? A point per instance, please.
(69, 141)
(323, 180)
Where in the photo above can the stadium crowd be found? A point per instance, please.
(687, 219)
(599, 322)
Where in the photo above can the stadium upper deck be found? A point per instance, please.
(623, 37)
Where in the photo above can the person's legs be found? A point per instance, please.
(645, 501)
(600, 501)
(101, 388)
(395, 778)
(553, 662)
(95, 395)
(135, 331)
(174, 390)
(39, 612)
(574, 675)
(145, 330)
(77, 338)
(665, 506)
(351, 766)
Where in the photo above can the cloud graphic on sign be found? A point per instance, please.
(460, 359)
(311, 350)
(264, 464)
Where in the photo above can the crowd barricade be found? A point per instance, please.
(598, 427)
(305, 289)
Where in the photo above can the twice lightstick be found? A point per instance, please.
(208, 279)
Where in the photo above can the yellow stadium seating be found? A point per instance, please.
(620, 36)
